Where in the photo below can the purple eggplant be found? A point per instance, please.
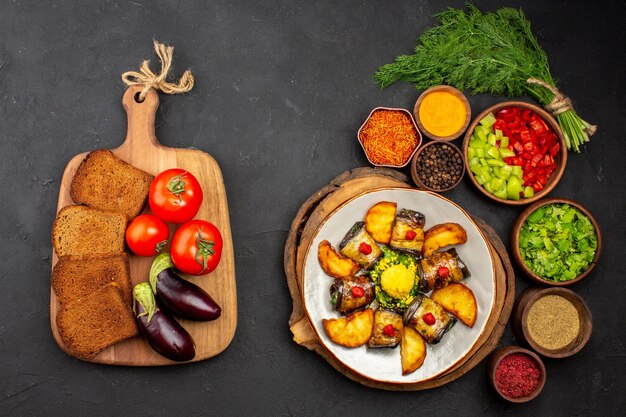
(178, 295)
(164, 334)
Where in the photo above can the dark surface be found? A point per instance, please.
(281, 88)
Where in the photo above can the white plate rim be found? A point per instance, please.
(303, 286)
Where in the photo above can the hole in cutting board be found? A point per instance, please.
(137, 99)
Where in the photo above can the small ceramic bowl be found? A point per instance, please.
(500, 354)
(518, 256)
(454, 92)
(560, 159)
(416, 179)
(520, 316)
(417, 133)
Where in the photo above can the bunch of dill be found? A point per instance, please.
(484, 53)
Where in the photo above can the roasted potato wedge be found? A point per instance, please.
(442, 235)
(379, 221)
(459, 301)
(351, 331)
(412, 350)
(335, 264)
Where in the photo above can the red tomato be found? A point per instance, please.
(197, 247)
(175, 196)
(146, 235)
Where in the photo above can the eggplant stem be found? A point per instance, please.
(161, 262)
(142, 294)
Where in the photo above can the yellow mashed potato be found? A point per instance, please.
(397, 281)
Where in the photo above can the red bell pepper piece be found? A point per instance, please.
(554, 149)
(525, 136)
(529, 147)
(500, 124)
(537, 126)
(547, 160)
(527, 115)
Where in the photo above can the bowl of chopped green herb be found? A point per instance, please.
(556, 242)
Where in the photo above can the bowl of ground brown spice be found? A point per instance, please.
(554, 322)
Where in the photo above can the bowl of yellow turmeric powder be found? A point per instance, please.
(442, 113)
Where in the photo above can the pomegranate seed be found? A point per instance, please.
(388, 330)
(357, 292)
(365, 248)
(443, 272)
(410, 235)
(429, 319)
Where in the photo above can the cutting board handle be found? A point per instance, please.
(141, 116)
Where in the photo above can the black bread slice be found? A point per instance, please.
(84, 231)
(74, 278)
(105, 182)
(95, 322)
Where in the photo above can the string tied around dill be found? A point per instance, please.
(149, 79)
(560, 102)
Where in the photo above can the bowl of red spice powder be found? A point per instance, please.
(389, 137)
(517, 374)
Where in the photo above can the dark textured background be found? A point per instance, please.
(281, 88)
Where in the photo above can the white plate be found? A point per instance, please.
(384, 364)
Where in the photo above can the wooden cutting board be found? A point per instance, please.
(142, 149)
(306, 222)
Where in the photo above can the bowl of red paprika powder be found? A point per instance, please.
(517, 374)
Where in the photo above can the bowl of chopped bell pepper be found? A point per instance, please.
(515, 152)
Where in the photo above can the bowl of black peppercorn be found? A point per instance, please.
(438, 167)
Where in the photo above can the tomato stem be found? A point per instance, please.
(205, 249)
(159, 246)
(176, 185)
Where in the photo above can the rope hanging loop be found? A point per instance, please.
(149, 79)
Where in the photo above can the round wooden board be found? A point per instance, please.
(303, 227)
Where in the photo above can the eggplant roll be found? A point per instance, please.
(408, 232)
(387, 331)
(346, 296)
(431, 330)
(350, 246)
(431, 276)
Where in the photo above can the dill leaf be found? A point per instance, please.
(492, 53)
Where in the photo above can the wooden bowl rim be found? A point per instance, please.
(457, 93)
(419, 182)
(418, 134)
(515, 241)
(569, 295)
(556, 175)
(502, 353)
